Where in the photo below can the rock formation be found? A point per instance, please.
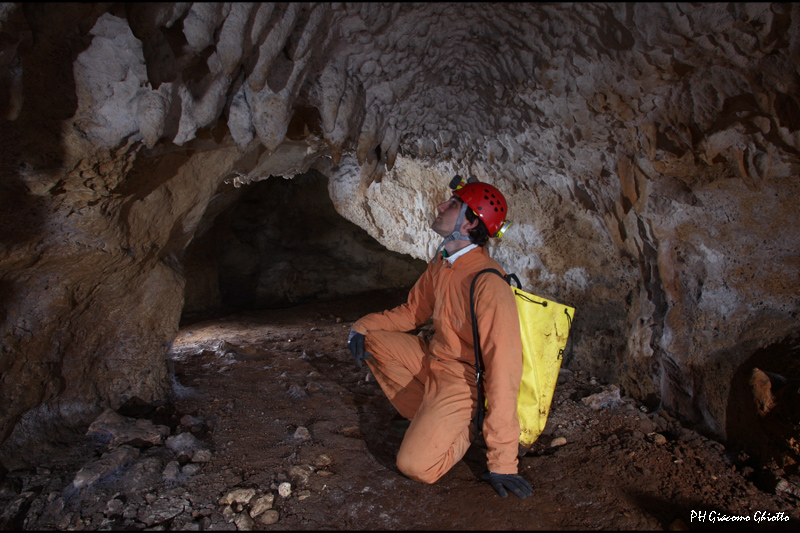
(649, 154)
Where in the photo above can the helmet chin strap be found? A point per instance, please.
(456, 235)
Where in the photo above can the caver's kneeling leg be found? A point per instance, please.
(441, 432)
(399, 365)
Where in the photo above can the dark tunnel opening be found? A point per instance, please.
(763, 413)
(279, 243)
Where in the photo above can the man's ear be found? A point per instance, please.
(467, 225)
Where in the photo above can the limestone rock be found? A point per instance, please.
(108, 463)
(142, 475)
(120, 430)
(261, 505)
(242, 496)
(302, 434)
(603, 400)
(172, 471)
(786, 487)
(243, 522)
(161, 510)
(323, 460)
(185, 443)
(192, 423)
(299, 474)
(191, 469)
(201, 456)
(268, 517)
(762, 391)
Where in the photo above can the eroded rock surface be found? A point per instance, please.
(648, 152)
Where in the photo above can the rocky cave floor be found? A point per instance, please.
(280, 430)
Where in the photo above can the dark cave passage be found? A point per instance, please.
(763, 415)
(283, 244)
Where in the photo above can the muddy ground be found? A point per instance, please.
(299, 438)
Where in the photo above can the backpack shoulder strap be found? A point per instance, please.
(476, 341)
(513, 277)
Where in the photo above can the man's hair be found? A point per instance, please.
(480, 233)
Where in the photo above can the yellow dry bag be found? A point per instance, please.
(544, 325)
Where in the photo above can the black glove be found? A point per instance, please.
(512, 482)
(356, 345)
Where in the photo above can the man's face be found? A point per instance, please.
(447, 215)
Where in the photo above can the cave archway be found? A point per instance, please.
(280, 242)
(763, 414)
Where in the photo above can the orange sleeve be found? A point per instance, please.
(408, 316)
(501, 350)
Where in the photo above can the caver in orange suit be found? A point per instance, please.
(433, 385)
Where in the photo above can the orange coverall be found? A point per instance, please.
(433, 385)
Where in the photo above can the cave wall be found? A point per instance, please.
(648, 152)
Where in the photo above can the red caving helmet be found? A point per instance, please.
(488, 203)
